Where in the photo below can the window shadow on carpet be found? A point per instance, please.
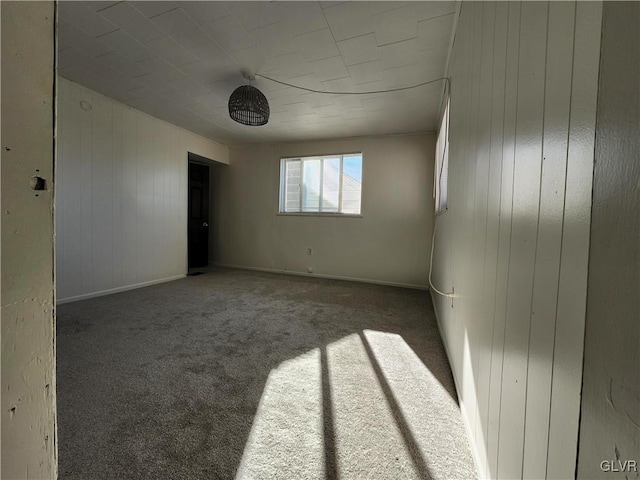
(230, 371)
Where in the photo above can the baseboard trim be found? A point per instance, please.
(110, 291)
(322, 275)
(467, 425)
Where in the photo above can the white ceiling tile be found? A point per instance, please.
(206, 44)
(349, 19)
(213, 101)
(205, 12)
(325, 5)
(211, 51)
(160, 68)
(399, 54)
(132, 21)
(435, 32)
(84, 18)
(71, 56)
(254, 15)
(359, 49)
(97, 5)
(427, 10)
(340, 85)
(366, 72)
(252, 58)
(208, 72)
(290, 65)
(376, 7)
(396, 25)
(330, 68)
(126, 45)
(151, 9)
(317, 45)
(115, 61)
(189, 86)
(229, 34)
(274, 39)
(181, 28)
(171, 51)
(302, 17)
(70, 35)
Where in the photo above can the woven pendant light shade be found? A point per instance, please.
(248, 105)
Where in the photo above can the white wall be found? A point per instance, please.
(28, 415)
(514, 242)
(388, 244)
(121, 207)
(610, 419)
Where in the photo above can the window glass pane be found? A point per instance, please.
(331, 184)
(311, 185)
(351, 184)
(291, 195)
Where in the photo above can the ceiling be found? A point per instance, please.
(180, 61)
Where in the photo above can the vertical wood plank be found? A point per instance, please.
(569, 334)
(481, 332)
(556, 125)
(493, 218)
(526, 192)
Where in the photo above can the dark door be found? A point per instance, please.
(198, 215)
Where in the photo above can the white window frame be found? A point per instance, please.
(442, 161)
(282, 194)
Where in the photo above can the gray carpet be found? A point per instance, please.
(238, 374)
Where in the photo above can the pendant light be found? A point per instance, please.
(248, 105)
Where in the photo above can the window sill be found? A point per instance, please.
(311, 214)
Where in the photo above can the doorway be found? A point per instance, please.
(198, 213)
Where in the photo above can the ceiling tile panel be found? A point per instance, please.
(330, 68)
(349, 19)
(359, 49)
(317, 45)
(152, 9)
(254, 15)
(70, 35)
(366, 72)
(189, 86)
(376, 7)
(399, 54)
(161, 69)
(124, 16)
(85, 18)
(171, 51)
(427, 10)
(71, 56)
(229, 34)
(126, 45)
(181, 28)
(274, 39)
(186, 61)
(204, 12)
(126, 68)
(396, 25)
(302, 17)
(435, 33)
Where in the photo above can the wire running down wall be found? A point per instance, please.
(514, 241)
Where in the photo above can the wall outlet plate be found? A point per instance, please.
(309, 251)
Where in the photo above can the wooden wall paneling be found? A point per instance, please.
(545, 287)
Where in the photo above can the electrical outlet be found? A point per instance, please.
(309, 251)
(310, 269)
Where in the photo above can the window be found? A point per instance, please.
(442, 163)
(325, 184)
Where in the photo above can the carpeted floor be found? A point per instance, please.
(238, 374)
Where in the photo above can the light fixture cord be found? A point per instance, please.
(354, 93)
